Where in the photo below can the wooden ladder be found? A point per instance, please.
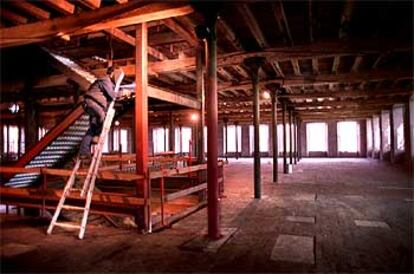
(89, 183)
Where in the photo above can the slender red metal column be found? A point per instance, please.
(290, 137)
(381, 139)
(274, 136)
(201, 157)
(285, 165)
(213, 208)
(226, 136)
(392, 135)
(295, 141)
(171, 133)
(141, 120)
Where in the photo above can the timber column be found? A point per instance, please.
(254, 64)
(208, 34)
(141, 121)
(274, 135)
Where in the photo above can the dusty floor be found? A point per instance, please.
(336, 192)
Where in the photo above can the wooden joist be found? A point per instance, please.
(181, 31)
(91, 21)
(172, 97)
(62, 6)
(251, 22)
(13, 17)
(31, 9)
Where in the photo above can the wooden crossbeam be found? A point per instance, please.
(357, 63)
(229, 34)
(92, 4)
(13, 17)
(296, 67)
(315, 66)
(181, 30)
(253, 25)
(91, 21)
(281, 19)
(335, 64)
(62, 6)
(31, 9)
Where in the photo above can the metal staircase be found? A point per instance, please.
(55, 153)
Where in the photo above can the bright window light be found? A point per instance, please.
(124, 139)
(160, 139)
(376, 133)
(280, 138)
(317, 137)
(369, 134)
(398, 116)
(348, 136)
(264, 138)
(231, 142)
(184, 142)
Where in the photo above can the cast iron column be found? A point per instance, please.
(381, 139)
(208, 34)
(295, 140)
(392, 136)
(254, 65)
(226, 136)
(201, 157)
(236, 124)
(171, 133)
(290, 137)
(274, 136)
(285, 165)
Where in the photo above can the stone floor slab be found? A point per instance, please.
(292, 248)
(301, 219)
(366, 223)
(13, 249)
(305, 197)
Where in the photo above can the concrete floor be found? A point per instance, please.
(334, 193)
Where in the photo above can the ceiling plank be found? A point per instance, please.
(91, 21)
(62, 6)
(31, 9)
(253, 25)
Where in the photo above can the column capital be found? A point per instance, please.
(254, 64)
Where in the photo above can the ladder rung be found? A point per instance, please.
(68, 225)
(70, 207)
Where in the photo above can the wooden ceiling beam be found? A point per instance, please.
(13, 17)
(62, 6)
(346, 19)
(92, 4)
(31, 9)
(296, 67)
(91, 21)
(229, 34)
(335, 64)
(282, 21)
(357, 62)
(188, 35)
(315, 66)
(251, 22)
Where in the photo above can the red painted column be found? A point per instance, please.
(141, 120)
(213, 208)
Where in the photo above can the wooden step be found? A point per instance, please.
(70, 207)
(68, 225)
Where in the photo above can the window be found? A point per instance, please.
(160, 139)
(369, 134)
(231, 142)
(124, 139)
(398, 116)
(376, 133)
(41, 132)
(264, 138)
(317, 137)
(183, 142)
(280, 138)
(348, 136)
(13, 139)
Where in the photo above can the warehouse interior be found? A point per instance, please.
(250, 136)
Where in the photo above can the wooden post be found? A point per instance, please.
(201, 158)
(141, 120)
(31, 125)
(274, 136)
(254, 64)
